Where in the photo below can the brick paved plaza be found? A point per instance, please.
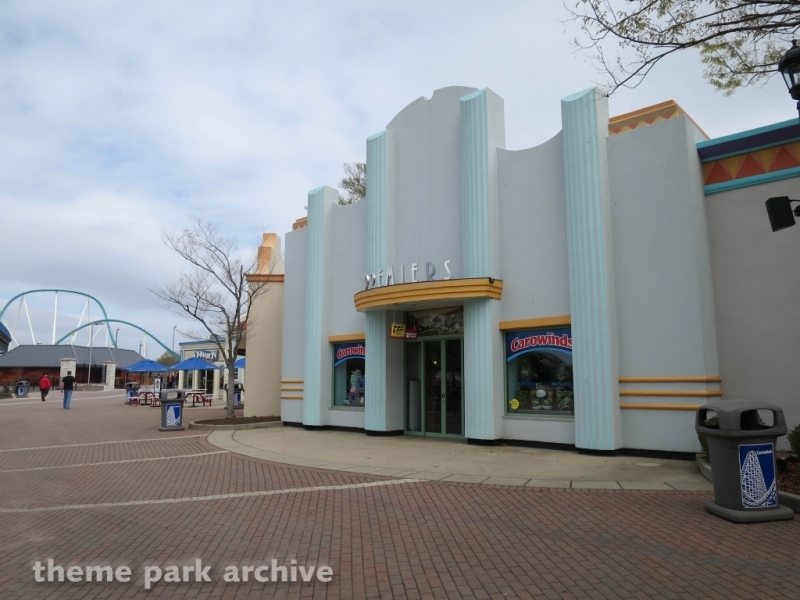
(100, 485)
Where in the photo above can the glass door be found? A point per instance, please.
(453, 398)
(414, 387)
(433, 386)
(434, 390)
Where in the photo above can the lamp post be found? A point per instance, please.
(116, 337)
(173, 337)
(789, 68)
(91, 343)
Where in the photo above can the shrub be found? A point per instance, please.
(794, 440)
(712, 422)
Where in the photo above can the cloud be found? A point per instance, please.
(121, 118)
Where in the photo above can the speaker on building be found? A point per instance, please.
(780, 213)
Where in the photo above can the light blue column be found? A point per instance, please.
(375, 375)
(591, 271)
(482, 133)
(380, 254)
(483, 384)
(380, 201)
(318, 365)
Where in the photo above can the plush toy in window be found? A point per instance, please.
(563, 400)
(525, 375)
(538, 399)
(547, 401)
(353, 395)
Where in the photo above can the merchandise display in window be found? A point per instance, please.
(348, 374)
(539, 372)
(438, 321)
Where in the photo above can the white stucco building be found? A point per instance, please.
(588, 292)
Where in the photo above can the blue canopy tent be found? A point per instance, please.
(143, 366)
(194, 364)
(237, 402)
(147, 366)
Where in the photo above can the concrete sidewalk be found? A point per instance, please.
(453, 460)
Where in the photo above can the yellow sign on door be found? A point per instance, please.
(398, 330)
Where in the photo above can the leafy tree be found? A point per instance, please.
(167, 359)
(354, 183)
(740, 41)
(214, 291)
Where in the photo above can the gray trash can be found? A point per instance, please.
(741, 447)
(21, 389)
(131, 389)
(172, 409)
(238, 390)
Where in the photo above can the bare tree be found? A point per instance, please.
(214, 292)
(740, 41)
(354, 182)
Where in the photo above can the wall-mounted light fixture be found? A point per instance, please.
(781, 214)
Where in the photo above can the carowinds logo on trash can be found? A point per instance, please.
(757, 475)
(173, 415)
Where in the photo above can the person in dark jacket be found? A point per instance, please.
(67, 387)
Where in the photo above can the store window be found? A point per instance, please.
(439, 321)
(348, 374)
(539, 372)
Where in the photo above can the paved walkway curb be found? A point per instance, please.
(704, 466)
(206, 426)
(226, 441)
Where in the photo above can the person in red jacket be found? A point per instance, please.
(44, 386)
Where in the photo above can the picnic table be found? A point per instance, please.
(199, 396)
(149, 397)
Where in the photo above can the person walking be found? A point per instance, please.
(44, 386)
(67, 387)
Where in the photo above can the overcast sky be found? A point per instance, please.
(119, 119)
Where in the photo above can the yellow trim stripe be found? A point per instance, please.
(453, 289)
(291, 381)
(291, 397)
(562, 321)
(347, 337)
(660, 406)
(676, 393)
(690, 379)
(291, 389)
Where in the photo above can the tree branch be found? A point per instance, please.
(740, 41)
